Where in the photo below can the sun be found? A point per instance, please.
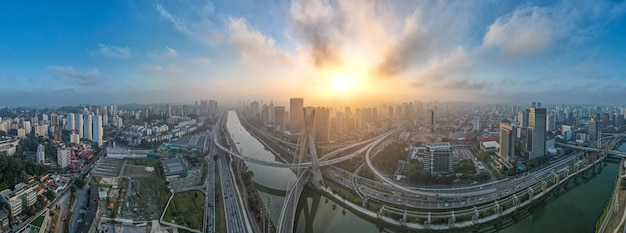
(341, 83)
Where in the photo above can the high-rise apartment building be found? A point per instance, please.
(71, 122)
(79, 124)
(97, 129)
(88, 127)
(296, 113)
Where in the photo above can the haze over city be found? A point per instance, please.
(60, 53)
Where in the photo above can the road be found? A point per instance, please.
(209, 213)
(63, 207)
(233, 215)
(82, 198)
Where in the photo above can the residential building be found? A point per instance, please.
(64, 156)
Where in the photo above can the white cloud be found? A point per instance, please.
(252, 45)
(89, 77)
(111, 51)
(525, 31)
(166, 53)
(179, 24)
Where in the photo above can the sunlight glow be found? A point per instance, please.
(341, 83)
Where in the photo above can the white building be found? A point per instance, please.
(97, 130)
(118, 122)
(88, 127)
(79, 124)
(74, 137)
(41, 153)
(71, 121)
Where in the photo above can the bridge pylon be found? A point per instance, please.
(307, 146)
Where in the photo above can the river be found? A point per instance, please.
(318, 216)
(574, 211)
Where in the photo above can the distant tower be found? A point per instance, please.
(296, 123)
(432, 121)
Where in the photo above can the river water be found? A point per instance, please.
(574, 211)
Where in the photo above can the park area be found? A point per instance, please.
(186, 209)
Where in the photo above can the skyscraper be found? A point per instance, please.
(271, 114)
(537, 132)
(296, 123)
(280, 118)
(79, 124)
(593, 126)
(88, 127)
(97, 129)
(522, 118)
(322, 124)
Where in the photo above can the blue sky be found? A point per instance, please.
(96, 52)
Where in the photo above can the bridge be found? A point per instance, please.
(458, 214)
(592, 149)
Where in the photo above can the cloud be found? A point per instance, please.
(110, 51)
(252, 45)
(87, 78)
(525, 31)
(166, 53)
(196, 19)
(425, 34)
(179, 24)
(316, 22)
(463, 84)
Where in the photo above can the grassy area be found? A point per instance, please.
(186, 209)
(150, 162)
(157, 185)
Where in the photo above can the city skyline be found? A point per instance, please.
(325, 52)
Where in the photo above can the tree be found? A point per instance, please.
(80, 183)
(73, 189)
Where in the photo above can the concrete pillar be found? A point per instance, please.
(498, 209)
(516, 201)
(452, 220)
(428, 221)
(544, 186)
(403, 220)
(531, 193)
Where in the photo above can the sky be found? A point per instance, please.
(362, 51)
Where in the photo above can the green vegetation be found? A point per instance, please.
(185, 209)
(149, 162)
(387, 159)
(16, 170)
(80, 183)
(38, 221)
